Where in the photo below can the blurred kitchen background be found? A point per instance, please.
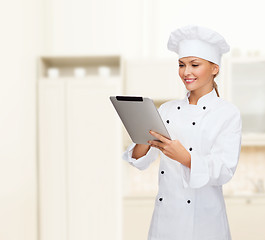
(61, 172)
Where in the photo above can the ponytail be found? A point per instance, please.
(215, 87)
(214, 83)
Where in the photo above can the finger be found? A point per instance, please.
(160, 148)
(157, 143)
(159, 136)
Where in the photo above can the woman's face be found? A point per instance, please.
(197, 73)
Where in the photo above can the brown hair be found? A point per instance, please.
(216, 88)
(214, 83)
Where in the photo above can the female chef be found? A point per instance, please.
(204, 151)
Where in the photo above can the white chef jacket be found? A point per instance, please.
(189, 204)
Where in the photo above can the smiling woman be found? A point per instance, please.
(203, 152)
(198, 75)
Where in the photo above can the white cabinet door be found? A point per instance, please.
(80, 157)
(93, 161)
(52, 165)
(245, 88)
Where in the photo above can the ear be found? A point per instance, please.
(215, 69)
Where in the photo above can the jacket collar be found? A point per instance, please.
(205, 100)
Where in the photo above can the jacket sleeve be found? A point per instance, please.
(219, 165)
(143, 162)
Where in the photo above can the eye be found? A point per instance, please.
(181, 65)
(195, 65)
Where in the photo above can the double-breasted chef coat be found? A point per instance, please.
(189, 204)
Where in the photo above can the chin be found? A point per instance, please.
(190, 88)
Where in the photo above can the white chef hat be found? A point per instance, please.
(197, 41)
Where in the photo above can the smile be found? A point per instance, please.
(190, 80)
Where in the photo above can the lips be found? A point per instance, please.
(190, 80)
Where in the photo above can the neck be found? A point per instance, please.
(195, 95)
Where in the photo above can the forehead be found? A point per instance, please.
(190, 59)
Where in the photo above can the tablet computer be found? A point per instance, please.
(139, 115)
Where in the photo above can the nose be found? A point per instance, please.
(187, 71)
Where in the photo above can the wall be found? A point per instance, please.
(82, 27)
(140, 28)
(20, 43)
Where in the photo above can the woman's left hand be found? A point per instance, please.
(171, 148)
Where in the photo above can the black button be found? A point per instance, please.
(162, 172)
(190, 149)
(204, 108)
(167, 121)
(188, 201)
(178, 107)
(160, 199)
(193, 123)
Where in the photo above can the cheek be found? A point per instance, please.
(181, 71)
(202, 73)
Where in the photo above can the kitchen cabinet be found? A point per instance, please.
(79, 146)
(245, 87)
